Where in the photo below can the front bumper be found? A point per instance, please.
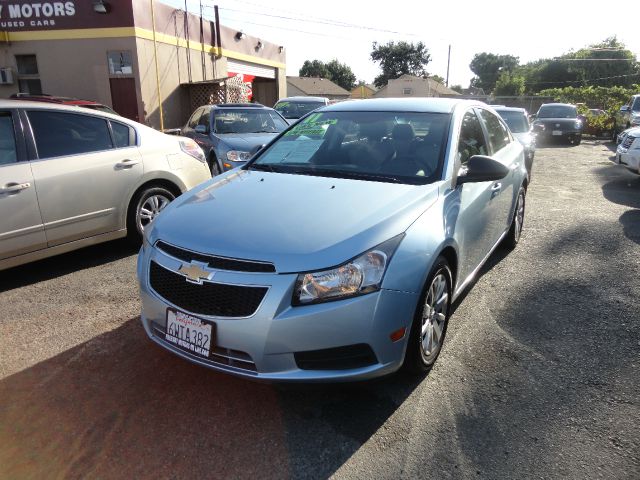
(630, 159)
(266, 343)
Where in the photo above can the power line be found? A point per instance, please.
(322, 22)
(584, 81)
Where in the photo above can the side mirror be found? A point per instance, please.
(624, 108)
(480, 168)
(256, 149)
(201, 129)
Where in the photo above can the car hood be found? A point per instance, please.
(245, 141)
(298, 222)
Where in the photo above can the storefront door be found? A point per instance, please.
(124, 98)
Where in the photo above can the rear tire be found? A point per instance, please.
(429, 326)
(144, 208)
(213, 166)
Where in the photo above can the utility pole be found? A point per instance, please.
(448, 62)
(155, 56)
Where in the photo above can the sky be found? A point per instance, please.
(343, 30)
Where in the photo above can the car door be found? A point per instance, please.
(83, 173)
(473, 230)
(21, 227)
(506, 150)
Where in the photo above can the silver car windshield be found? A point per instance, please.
(291, 109)
(396, 147)
(247, 121)
(516, 120)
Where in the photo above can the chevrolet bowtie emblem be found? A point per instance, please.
(194, 272)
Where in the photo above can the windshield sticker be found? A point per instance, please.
(312, 126)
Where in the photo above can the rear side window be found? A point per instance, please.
(60, 134)
(123, 135)
(498, 133)
(8, 151)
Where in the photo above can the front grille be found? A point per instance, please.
(210, 298)
(339, 358)
(215, 262)
(628, 141)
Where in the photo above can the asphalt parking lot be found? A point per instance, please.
(538, 377)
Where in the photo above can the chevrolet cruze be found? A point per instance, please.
(336, 252)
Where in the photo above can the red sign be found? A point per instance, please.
(247, 80)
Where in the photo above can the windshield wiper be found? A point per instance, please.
(356, 175)
(263, 167)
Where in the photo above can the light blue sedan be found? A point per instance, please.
(336, 252)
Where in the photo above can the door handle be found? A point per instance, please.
(15, 187)
(495, 189)
(128, 163)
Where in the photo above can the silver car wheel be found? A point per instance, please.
(149, 209)
(434, 315)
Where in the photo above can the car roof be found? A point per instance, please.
(557, 105)
(73, 108)
(238, 105)
(52, 99)
(303, 99)
(502, 108)
(426, 105)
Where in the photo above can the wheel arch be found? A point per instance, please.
(154, 182)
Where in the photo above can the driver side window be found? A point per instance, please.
(193, 121)
(471, 141)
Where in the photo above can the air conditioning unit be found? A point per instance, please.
(6, 76)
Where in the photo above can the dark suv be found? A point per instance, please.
(558, 121)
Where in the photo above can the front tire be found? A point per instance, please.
(144, 208)
(213, 166)
(515, 231)
(430, 323)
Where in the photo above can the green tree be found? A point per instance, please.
(488, 67)
(397, 59)
(437, 78)
(335, 71)
(457, 88)
(314, 68)
(341, 74)
(509, 84)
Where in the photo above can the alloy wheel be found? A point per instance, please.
(434, 315)
(149, 209)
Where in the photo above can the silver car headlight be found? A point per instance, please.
(238, 156)
(361, 275)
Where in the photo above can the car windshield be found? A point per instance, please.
(395, 147)
(517, 121)
(248, 121)
(557, 111)
(290, 109)
(636, 105)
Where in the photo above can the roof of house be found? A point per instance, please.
(435, 87)
(366, 85)
(317, 86)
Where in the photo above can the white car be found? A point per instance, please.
(72, 177)
(628, 152)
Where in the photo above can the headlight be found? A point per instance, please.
(238, 156)
(361, 275)
(635, 120)
(578, 124)
(192, 149)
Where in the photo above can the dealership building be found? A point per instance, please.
(151, 62)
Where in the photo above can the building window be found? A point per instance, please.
(28, 75)
(407, 91)
(120, 63)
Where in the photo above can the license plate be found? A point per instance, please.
(189, 333)
(556, 132)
